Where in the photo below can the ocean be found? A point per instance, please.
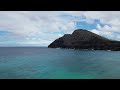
(51, 63)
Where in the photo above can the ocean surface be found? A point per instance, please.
(48, 63)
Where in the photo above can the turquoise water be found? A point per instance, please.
(47, 63)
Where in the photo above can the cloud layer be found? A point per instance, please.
(42, 27)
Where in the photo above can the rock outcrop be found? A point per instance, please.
(84, 39)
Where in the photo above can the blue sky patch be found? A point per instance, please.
(4, 33)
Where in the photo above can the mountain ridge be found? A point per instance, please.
(84, 39)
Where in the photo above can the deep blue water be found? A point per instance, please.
(47, 63)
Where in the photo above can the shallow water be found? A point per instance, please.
(47, 63)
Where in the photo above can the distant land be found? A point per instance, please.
(84, 39)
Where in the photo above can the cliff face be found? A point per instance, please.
(83, 39)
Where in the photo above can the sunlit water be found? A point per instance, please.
(47, 63)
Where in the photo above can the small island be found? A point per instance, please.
(84, 39)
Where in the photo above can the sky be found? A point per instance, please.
(40, 28)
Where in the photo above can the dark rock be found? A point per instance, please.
(83, 39)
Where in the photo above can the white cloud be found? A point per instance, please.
(28, 24)
(106, 31)
(111, 18)
(42, 27)
(98, 26)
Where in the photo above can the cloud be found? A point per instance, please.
(42, 27)
(106, 31)
(35, 27)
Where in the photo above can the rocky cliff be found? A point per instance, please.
(84, 39)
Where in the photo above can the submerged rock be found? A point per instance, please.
(84, 39)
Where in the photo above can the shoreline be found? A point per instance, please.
(85, 49)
